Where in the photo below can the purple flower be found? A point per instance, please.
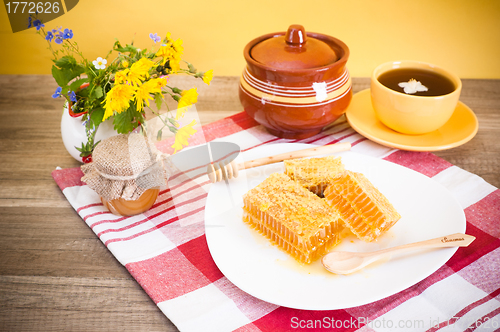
(38, 24)
(155, 37)
(72, 96)
(57, 93)
(67, 34)
(49, 36)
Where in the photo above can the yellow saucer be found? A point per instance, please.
(460, 129)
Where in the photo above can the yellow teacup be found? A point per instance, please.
(412, 112)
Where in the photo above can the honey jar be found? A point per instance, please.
(127, 172)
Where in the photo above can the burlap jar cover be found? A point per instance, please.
(125, 166)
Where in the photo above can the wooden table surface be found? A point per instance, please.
(55, 274)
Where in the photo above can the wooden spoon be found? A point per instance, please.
(344, 262)
(223, 171)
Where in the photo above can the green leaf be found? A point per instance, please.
(82, 149)
(129, 48)
(97, 115)
(86, 149)
(77, 71)
(158, 100)
(75, 86)
(90, 72)
(64, 75)
(84, 93)
(97, 93)
(125, 121)
(66, 62)
(159, 134)
(59, 76)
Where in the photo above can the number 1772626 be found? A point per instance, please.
(32, 7)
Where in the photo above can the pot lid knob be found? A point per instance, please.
(293, 50)
(295, 35)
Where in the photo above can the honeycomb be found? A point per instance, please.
(313, 173)
(292, 217)
(366, 211)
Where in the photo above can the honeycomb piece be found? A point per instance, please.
(313, 173)
(366, 211)
(292, 217)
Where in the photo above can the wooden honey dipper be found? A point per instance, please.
(222, 170)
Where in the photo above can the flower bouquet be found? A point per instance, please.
(120, 89)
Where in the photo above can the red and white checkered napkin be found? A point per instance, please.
(165, 250)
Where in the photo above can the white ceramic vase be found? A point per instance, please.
(73, 132)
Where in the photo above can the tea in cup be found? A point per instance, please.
(414, 97)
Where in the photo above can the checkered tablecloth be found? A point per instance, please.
(173, 264)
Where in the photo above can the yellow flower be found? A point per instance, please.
(143, 92)
(121, 76)
(139, 71)
(161, 81)
(177, 46)
(165, 52)
(134, 78)
(142, 95)
(171, 51)
(207, 76)
(175, 64)
(143, 65)
(182, 135)
(188, 97)
(117, 99)
(125, 64)
(168, 39)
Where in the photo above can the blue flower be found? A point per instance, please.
(155, 37)
(57, 93)
(49, 36)
(59, 38)
(38, 24)
(30, 19)
(72, 96)
(67, 34)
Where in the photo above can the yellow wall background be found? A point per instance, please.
(461, 35)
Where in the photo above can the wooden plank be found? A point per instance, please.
(42, 303)
(481, 155)
(19, 191)
(56, 275)
(52, 242)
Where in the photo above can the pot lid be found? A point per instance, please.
(294, 50)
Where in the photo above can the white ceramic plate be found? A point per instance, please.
(249, 261)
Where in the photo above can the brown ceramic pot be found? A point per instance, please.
(295, 83)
